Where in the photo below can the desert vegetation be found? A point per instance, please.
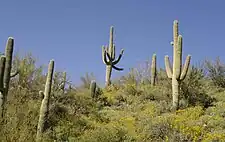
(175, 104)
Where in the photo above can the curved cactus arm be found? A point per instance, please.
(186, 67)
(103, 54)
(168, 67)
(14, 73)
(104, 59)
(119, 57)
(116, 68)
(106, 48)
(109, 57)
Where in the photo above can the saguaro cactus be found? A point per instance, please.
(93, 88)
(108, 57)
(5, 73)
(177, 74)
(44, 110)
(153, 70)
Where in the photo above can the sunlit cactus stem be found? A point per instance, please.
(153, 70)
(177, 74)
(44, 109)
(108, 57)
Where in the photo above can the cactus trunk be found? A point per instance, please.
(175, 92)
(153, 70)
(44, 110)
(108, 75)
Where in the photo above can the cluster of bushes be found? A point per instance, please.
(128, 110)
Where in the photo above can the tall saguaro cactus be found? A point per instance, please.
(108, 57)
(5, 73)
(177, 74)
(44, 110)
(153, 70)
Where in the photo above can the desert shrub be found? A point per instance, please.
(111, 132)
(192, 88)
(23, 101)
(216, 72)
(86, 80)
(30, 75)
(158, 93)
(21, 117)
(60, 84)
(163, 80)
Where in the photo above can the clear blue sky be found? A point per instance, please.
(72, 31)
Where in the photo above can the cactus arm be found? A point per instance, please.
(14, 73)
(104, 53)
(109, 58)
(168, 67)
(116, 68)
(186, 67)
(119, 57)
(178, 57)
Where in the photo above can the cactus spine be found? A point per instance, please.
(93, 88)
(153, 70)
(108, 57)
(44, 110)
(177, 74)
(5, 73)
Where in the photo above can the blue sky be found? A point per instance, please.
(72, 31)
